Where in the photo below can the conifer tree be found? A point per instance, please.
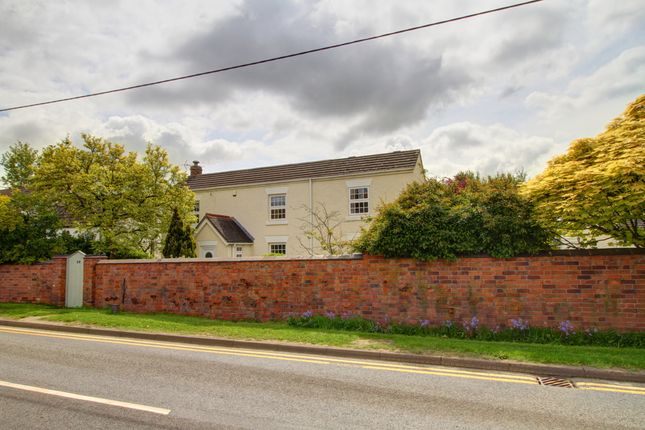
(175, 237)
(188, 248)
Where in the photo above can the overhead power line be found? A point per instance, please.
(268, 60)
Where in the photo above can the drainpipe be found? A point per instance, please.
(311, 214)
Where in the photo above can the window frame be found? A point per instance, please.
(281, 244)
(272, 207)
(196, 209)
(365, 200)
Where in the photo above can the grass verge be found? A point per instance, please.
(594, 356)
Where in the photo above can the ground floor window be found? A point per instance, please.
(278, 248)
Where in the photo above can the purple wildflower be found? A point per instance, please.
(566, 328)
(447, 324)
(472, 324)
(520, 324)
(307, 314)
(424, 323)
(330, 314)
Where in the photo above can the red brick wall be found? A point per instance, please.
(38, 283)
(89, 275)
(603, 291)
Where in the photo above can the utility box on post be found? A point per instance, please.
(74, 280)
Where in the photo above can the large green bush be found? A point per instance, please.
(449, 218)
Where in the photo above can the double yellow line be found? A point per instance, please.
(374, 365)
(594, 386)
(437, 371)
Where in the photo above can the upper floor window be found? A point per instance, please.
(277, 206)
(358, 201)
(239, 252)
(196, 209)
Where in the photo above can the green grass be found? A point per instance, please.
(594, 356)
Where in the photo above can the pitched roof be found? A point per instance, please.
(399, 160)
(228, 227)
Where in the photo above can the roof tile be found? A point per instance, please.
(399, 160)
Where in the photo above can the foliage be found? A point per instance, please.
(9, 215)
(179, 240)
(322, 227)
(28, 229)
(597, 188)
(471, 329)
(102, 189)
(18, 164)
(448, 218)
(70, 243)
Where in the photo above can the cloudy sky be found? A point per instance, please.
(495, 93)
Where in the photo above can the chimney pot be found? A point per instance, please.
(195, 169)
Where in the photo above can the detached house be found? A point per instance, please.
(255, 212)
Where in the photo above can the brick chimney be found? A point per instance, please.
(195, 169)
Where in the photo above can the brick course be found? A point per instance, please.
(602, 290)
(37, 283)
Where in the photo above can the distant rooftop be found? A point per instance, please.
(399, 160)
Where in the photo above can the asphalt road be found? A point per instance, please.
(208, 387)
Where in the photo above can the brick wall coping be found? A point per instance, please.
(553, 253)
(234, 260)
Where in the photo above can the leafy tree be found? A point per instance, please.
(28, 229)
(9, 215)
(18, 164)
(322, 227)
(70, 243)
(179, 240)
(448, 218)
(102, 189)
(597, 188)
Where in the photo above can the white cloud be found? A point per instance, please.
(590, 101)
(485, 149)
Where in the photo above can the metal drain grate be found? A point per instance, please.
(555, 382)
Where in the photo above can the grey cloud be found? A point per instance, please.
(26, 131)
(136, 132)
(377, 86)
(509, 91)
(542, 30)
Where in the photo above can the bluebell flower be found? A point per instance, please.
(307, 314)
(519, 324)
(566, 328)
(472, 324)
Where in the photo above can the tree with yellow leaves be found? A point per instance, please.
(597, 188)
